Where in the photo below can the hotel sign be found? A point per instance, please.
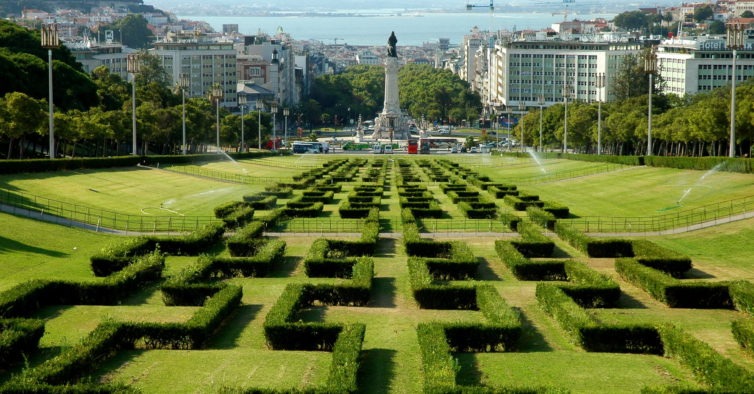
(719, 45)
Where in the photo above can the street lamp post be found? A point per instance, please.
(566, 95)
(650, 67)
(522, 108)
(216, 94)
(133, 66)
(735, 41)
(274, 110)
(260, 105)
(600, 87)
(287, 112)
(541, 102)
(183, 83)
(508, 123)
(50, 41)
(242, 104)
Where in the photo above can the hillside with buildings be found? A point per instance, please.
(512, 70)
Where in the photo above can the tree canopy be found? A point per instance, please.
(23, 64)
(424, 91)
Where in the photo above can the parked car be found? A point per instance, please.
(388, 149)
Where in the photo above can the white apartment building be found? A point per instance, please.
(205, 62)
(271, 64)
(694, 65)
(92, 55)
(527, 71)
(368, 57)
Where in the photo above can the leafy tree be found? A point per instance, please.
(112, 90)
(703, 13)
(24, 117)
(23, 64)
(717, 27)
(631, 20)
(134, 31)
(747, 14)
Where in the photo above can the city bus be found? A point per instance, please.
(413, 147)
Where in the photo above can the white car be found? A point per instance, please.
(388, 149)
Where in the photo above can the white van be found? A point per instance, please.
(388, 149)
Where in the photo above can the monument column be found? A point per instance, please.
(391, 109)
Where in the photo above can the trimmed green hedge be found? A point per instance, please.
(261, 201)
(712, 368)
(26, 298)
(541, 217)
(525, 269)
(346, 355)
(300, 209)
(432, 296)
(533, 243)
(743, 331)
(18, 339)
(246, 240)
(671, 291)
(110, 337)
(742, 293)
(478, 210)
(520, 202)
(284, 330)
(437, 361)
(589, 333)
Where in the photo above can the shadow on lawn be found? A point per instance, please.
(485, 271)
(531, 339)
(11, 246)
(383, 293)
(227, 336)
(468, 370)
(377, 370)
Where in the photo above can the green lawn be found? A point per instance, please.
(237, 356)
(131, 191)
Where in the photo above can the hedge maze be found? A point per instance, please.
(443, 276)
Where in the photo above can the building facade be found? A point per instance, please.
(206, 63)
(530, 73)
(697, 65)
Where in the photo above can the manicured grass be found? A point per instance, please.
(163, 371)
(31, 249)
(576, 371)
(132, 191)
(237, 355)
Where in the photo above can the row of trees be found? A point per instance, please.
(698, 125)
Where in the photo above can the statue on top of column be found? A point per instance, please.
(391, 51)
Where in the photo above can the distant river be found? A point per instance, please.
(410, 28)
